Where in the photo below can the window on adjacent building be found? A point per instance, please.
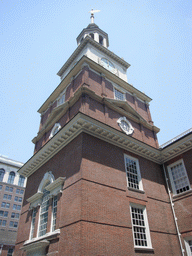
(21, 191)
(21, 181)
(133, 173)
(140, 228)
(17, 191)
(14, 207)
(119, 95)
(2, 173)
(16, 198)
(18, 207)
(1, 187)
(4, 222)
(178, 177)
(11, 177)
(10, 252)
(5, 214)
(20, 199)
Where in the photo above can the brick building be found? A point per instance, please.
(12, 187)
(98, 182)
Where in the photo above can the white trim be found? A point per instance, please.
(171, 177)
(48, 177)
(138, 173)
(56, 128)
(128, 129)
(148, 237)
(186, 241)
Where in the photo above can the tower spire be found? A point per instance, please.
(92, 14)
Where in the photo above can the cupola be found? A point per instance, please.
(93, 31)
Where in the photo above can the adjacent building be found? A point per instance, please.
(98, 182)
(12, 188)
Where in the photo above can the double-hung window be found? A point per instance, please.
(133, 173)
(178, 177)
(140, 227)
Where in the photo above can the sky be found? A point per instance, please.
(37, 38)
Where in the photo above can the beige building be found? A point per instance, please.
(12, 188)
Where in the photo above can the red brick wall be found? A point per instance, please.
(94, 215)
(94, 81)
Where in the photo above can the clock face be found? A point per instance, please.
(108, 65)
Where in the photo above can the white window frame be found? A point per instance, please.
(187, 246)
(54, 187)
(138, 173)
(115, 88)
(171, 177)
(54, 214)
(146, 226)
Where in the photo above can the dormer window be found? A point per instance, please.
(100, 39)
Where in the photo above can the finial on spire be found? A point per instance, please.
(92, 14)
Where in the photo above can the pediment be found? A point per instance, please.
(126, 107)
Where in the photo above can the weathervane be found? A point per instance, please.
(92, 14)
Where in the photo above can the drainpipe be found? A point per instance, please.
(173, 210)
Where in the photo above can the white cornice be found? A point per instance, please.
(82, 123)
(176, 148)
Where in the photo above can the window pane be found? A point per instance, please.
(44, 213)
(119, 95)
(132, 173)
(2, 172)
(21, 180)
(5, 214)
(139, 228)
(11, 177)
(180, 178)
(4, 222)
(54, 213)
(33, 222)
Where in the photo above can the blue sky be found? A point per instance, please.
(37, 37)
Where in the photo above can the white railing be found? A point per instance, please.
(176, 138)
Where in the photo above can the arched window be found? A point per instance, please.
(11, 177)
(21, 181)
(92, 35)
(101, 40)
(2, 172)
